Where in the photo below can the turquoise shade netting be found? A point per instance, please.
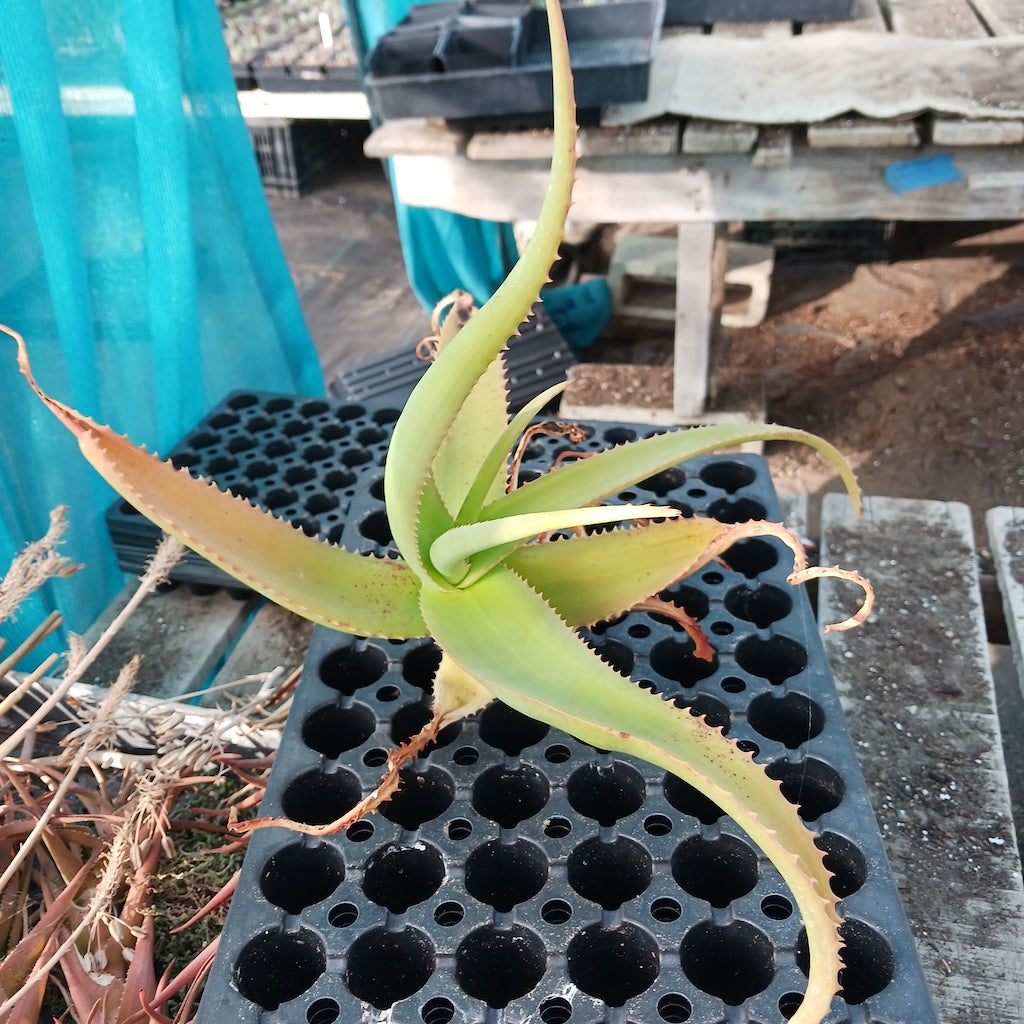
(442, 251)
(137, 257)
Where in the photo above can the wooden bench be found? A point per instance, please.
(916, 687)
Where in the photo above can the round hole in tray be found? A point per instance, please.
(497, 965)
(376, 527)
(675, 660)
(713, 578)
(297, 428)
(613, 964)
(510, 795)
(182, 460)
(318, 504)
(336, 479)
(719, 869)
(275, 966)
(314, 407)
(424, 795)
(409, 719)
(638, 631)
(657, 824)
(503, 875)
(557, 753)
(449, 914)
(386, 965)
(555, 1010)
(721, 628)
(323, 1011)
(791, 718)
(317, 797)
(278, 497)
(385, 416)
(279, 403)
(376, 488)
(666, 910)
(278, 447)
(375, 757)
(318, 452)
(299, 474)
(609, 873)
(736, 510)
(762, 604)
(557, 827)
(297, 875)
(814, 786)
(508, 729)
(776, 907)
(334, 432)
(356, 457)
(242, 443)
(868, 960)
(221, 464)
(683, 797)
(728, 475)
(789, 1003)
(775, 658)
(202, 439)
(619, 435)
(257, 424)
(420, 663)
(458, 829)
(371, 435)
(349, 412)
(259, 469)
(399, 877)
(331, 730)
(733, 684)
(616, 654)
(732, 961)
(309, 526)
(343, 915)
(712, 710)
(696, 492)
(751, 557)
(466, 756)
(674, 1008)
(556, 911)
(223, 420)
(663, 482)
(243, 400)
(438, 1010)
(606, 793)
(360, 831)
(348, 669)
(388, 694)
(848, 865)
(693, 601)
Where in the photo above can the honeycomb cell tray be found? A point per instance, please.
(522, 876)
(485, 58)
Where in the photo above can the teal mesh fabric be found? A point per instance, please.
(137, 256)
(442, 251)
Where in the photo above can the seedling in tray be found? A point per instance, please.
(486, 562)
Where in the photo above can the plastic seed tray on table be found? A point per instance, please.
(300, 458)
(520, 875)
(481, 58)
(536, 359)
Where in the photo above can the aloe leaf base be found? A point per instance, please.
(523, 876)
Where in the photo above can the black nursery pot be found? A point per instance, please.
(521, 875)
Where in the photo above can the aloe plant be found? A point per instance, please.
(478, 569)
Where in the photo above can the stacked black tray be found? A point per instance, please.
(490, 58)
(523, 876)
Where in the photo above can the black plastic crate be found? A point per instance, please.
(697, 12)
(536, 359)
(523, 876)
(493, 59)
(291, 153)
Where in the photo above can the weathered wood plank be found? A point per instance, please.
(862, 133)
(414, 135)
(936, 19)
(964, 131)
(774, 147)
(700, 268)
(659, 138)
(273, 638)
(1006, 541)
(701, 136)
(918, 694)
(820, 185)
(181, 636)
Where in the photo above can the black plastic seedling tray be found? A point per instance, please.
(521, 876)
(482, 59)
(697, 12)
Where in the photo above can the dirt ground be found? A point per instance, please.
(913, 368)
